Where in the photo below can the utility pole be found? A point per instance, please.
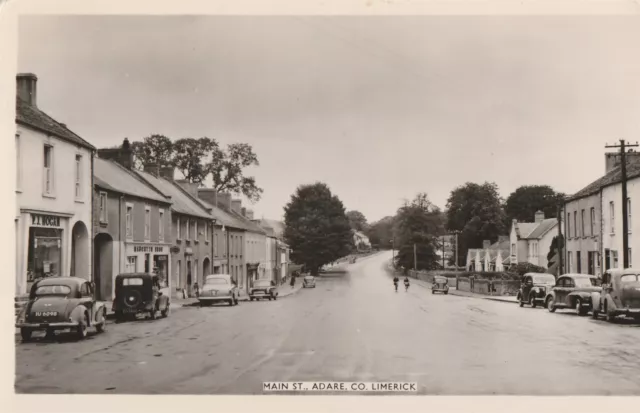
(456, 232)
(443, 252)
(560, 239)
(393, 253)
(415, 259)
(625, 224)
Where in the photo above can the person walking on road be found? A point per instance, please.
(395, 282)
(406, 283)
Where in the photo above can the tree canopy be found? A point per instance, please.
(201, 159)
(316, 227)
(418, 223)
(525, 201)
(380, 233)
(357, 220)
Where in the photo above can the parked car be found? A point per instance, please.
(440, 284)
(218, 288)
(572, 291)
(140, 293)
(309, 281)
(620, 295)
(263, 289)
(60, 303)
(534, 288)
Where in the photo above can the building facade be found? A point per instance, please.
(54, 175)
(582, 234)
(531, 241)
(192, 231)
(132, 224)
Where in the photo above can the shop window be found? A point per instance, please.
(132, 263)
(45, 252)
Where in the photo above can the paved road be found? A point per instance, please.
(352, 327)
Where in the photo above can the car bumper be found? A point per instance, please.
(54, 326)
(309, 284)
(214, 299)
(260, 295)
(633, 312)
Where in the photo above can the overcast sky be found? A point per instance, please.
(379, 108)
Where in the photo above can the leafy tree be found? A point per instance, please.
(476, 211)
(227, 169)
(524, 267)
(357, 220)
(154, 149)
(380, 233)
(418, 223)
(525, 201)
(316, 227)
(555, 244)
(188, 157)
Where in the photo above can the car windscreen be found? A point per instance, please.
(262, 284)
(629, 278)
(132, 281)
(53, 290)
(441, 280)
(584, 282)
(216, 281)
(544, 279)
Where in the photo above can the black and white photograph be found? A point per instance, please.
(324, 204)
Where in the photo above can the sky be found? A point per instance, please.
(379, 108)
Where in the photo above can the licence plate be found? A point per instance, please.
(46, 313)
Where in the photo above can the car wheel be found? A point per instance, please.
(609, 316)
(167, 310)
(532, 301)
(152, 314)
(102, 326)
(446, 292)
(520, 302)
(550, 306)
(433, 292)
(594, 313)
(81, 331)
(237, 301)
(578, 307)
(25, 333)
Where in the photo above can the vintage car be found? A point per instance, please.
(534, 288)
(440, 285)
(60, 303)
(572, 291)
(263, 289)
(309, 281)
(620, 295)
(140, 293)
(218, 288)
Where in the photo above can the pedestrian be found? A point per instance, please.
(293, 280)
(196, 289)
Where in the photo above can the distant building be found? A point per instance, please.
(531, 241)
(491, 257)
(361, 241)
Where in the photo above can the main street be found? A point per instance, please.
(352, 327)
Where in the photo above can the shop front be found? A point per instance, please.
(148, 258)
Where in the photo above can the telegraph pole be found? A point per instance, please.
(415, 259)
(560, 239)
(393, 253)
(625, 224)
(443, 252)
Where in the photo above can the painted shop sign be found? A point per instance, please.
(158, 249)
(40, 220)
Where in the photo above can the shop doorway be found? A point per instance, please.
(103, 266)
(80, 257)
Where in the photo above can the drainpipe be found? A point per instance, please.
(92, 233)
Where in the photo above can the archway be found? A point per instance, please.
(206, 267)
(103, 265)
(80, 252)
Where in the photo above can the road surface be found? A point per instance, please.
(352, 327)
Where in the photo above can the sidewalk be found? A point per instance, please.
(501, 298)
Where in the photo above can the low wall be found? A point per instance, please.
(487, 287)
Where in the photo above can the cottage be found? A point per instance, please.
(531, 241)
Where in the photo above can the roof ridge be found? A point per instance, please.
(137, 177)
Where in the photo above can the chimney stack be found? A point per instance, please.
(243, 210)
(152, 168)
(122, 155)
(539, 217)
(249, 214)
(167, 172)
(486, 244)
(236, 206)
(208, 195)
(224, 200)
(190, 187)
(27, 87)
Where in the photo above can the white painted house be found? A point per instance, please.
(531, 241)
(54, 181)
(361, 241)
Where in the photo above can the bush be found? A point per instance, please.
(525, 267)
(485, 275)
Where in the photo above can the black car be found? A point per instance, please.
(263, 289)
(534, 288)
(140, 293)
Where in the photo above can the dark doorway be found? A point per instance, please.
(103, 266)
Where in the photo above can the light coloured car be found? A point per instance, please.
(218, 288)
(309, 281)
(620, 295)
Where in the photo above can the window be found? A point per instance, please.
(614, 259)
(18, 164)
(629, 252)
(188, 222)
(147, 223)
(593, 221)
(131, 264)
(44, 254)
(195, 230)
(103, 207)
(48, 170)
(569, 261)
(513, 250)
(206, 231)
(216, 250)
(161, 226)
(129, 221)
(78, 175)
(611, 218)
(582, 231)
(569, 225)
(178, 229)
(629, 215)
(578, 262)
(575, 224)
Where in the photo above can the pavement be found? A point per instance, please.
(352, 327)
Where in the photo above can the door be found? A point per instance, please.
(607, 259)
(146, 263)
(591, 263)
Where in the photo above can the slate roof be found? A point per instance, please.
(181, 201)
(614, 176)
(250, 226)
(278, 226)
(112, 176)
(544, 227)
(31, 116)
(222, 217)
(523, 229)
